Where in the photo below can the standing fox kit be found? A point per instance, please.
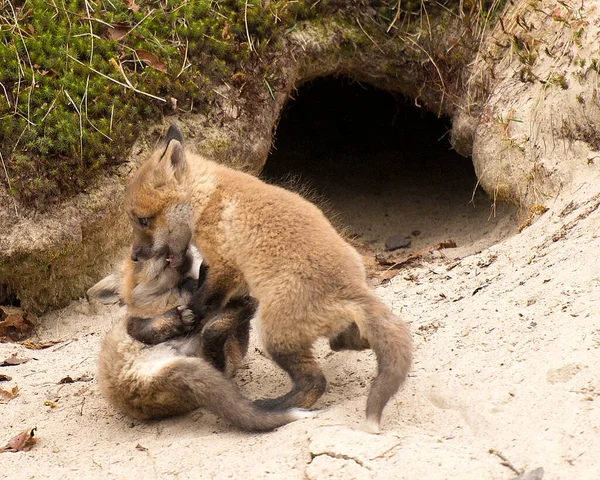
(173, 376)
(272, 243)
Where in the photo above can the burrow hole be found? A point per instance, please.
(385, 168)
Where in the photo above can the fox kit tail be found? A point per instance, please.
(389, 337)
(206, 387)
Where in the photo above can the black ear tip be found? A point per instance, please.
(173, 133)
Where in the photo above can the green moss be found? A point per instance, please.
(65, 117)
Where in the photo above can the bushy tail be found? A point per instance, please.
(206, 387)
(389, 337)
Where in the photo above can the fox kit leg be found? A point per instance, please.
(225, 338)
(349, 339)
(309, 383)
(219, 283)
(172, 323)
(290, 347)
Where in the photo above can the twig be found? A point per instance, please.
(5, 94)
(246, 23)
(127, 85)
(51, 107)
(67, 15)
(395, 263)
(85, 97)
(9, 186)
(78, 110)
(30, 64)
(133, 88)
(368, 36)
(92, 19)
(395, 16)
(137, 24)
(87, 10)
(183, 65)
(381, 455)
(505, 461)
(434, 64)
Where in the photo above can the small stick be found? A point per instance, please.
(8, 181)
(246, 22)
(183, 65)
(505, 461)
(137, 24)
(369, 36)
(116, 81)
(87, 9)
(33, 82)
(395, 17)
(78, 110)
(432, 61)
(51, 106)
(5, 94)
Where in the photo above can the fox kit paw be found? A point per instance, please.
(173, 323)
(188, 319)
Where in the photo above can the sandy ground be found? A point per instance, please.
(507, 343)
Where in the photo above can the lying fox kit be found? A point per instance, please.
(176, 375)
(270, 242)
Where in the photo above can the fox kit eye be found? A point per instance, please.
(143, 221)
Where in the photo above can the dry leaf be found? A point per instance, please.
(152, 60)
(117, 31)
(15, 324)
(225, 33)
(140, 448)
(238, 78)
(26, 14)
(131, 5)
(13, 360)
(23, 442)
(7, 395)
(40, 345)
(69, 379)
(5, 378)
(50, 404)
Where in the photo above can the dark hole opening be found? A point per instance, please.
(8, 297)
(385, 167)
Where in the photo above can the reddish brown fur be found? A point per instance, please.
(171, 378)
(271, 242)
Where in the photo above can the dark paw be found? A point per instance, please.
(187, 317)
(217, 330)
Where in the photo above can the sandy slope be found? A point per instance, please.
(507, 348)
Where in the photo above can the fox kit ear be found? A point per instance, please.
(173, 160)
(173, 133)
(106, 290)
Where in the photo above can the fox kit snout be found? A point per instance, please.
(280, 248)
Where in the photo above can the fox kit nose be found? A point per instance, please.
(135, 254)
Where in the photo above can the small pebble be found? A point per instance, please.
(396, 241)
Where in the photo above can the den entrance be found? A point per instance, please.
(385, 169)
